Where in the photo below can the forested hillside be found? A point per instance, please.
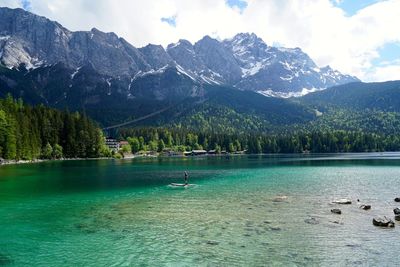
(383, 96)
(28, 133)
(158, 139)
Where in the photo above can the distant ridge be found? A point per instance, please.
(244, 61)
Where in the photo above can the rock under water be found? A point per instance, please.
(343, 201)
(382, 221)
(365, 207)
(336, 211)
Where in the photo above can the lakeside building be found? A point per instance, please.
(113, 144)
(123, 143)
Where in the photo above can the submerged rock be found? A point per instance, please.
(275, 228)
(382, 222)
(365, 207)
(280, 199)
(312, 221)
(5, 260)
(396, 211)
(342, 201)
(336, 211)
(397, 199)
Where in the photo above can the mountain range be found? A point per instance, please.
(244, 61)
(238, 84)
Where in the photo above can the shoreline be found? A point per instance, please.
(35, 161)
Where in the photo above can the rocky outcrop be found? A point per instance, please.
(36, 41)
(245, 61)
(383, 222)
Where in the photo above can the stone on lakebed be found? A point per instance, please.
(336, 211)
(365, 207)
(396, 211)
(382, 221)
(343, 201)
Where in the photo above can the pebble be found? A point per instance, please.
(396, 211)
(312, 221)
(336, 211)
(365, 207)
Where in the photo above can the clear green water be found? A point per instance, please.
(122, 213)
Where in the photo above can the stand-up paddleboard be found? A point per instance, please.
(180, 185)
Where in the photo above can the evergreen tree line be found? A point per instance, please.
(28, 133)
(158, 139)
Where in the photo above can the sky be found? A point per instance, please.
(357, 37)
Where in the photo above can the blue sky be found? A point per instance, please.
(389, 52)
(362, 40)
(352, 6)
(237, 3)
(26, 4)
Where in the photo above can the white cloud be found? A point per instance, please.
(11, 3)
(385, 73)
(320, 28)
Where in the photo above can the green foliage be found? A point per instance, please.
(161, 145)
(47, 152)
(126, 149)
(31, 132)
(134, 143)
(300, 142)
(57, 151)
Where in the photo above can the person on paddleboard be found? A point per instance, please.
(186, 178)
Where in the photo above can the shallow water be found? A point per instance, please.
(242, 211)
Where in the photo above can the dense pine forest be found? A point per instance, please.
(28, 133)
(159, 139)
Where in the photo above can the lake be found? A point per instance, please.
(242, 211)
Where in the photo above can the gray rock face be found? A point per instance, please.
(183, 53)
(218, 59)
(156, 56)
(36, 41)
(279, 69)
(244, 61)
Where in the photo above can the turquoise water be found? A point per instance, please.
(243, 211)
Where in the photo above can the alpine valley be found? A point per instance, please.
(234, 85)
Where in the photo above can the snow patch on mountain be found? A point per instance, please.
(181, 70)
(75, 73)
(303, 92)
(5, 37)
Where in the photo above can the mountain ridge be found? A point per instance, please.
(244, 61)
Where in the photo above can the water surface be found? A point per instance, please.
(123, 213)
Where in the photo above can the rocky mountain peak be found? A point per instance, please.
(244, 61)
